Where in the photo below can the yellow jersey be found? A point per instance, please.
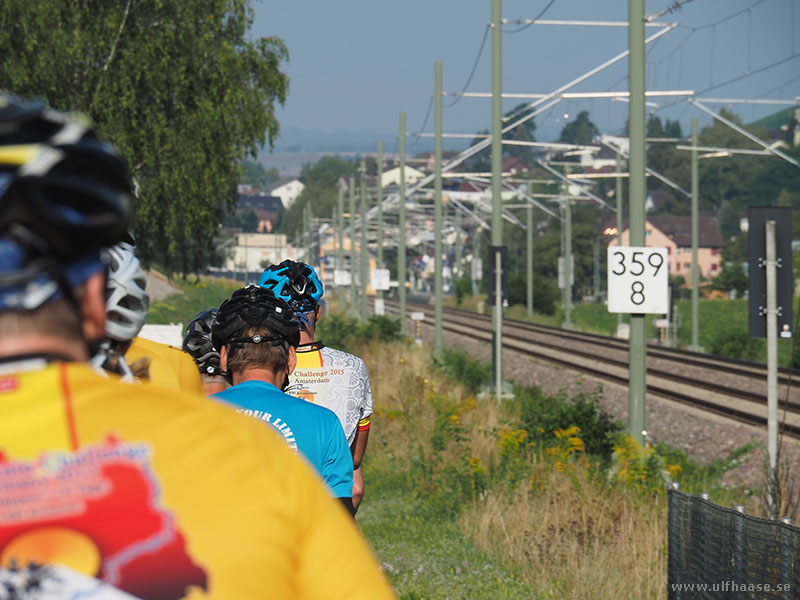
(169, 366)
(163, 495)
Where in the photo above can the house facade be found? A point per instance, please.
(675, 234)
(288, 192)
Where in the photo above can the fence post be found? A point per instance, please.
(739, 560)
(787, 569)
(674, 542)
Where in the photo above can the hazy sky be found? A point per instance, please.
(355, 64)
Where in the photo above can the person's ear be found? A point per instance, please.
(292, 362)
(317, 314)
(223, 358)
(93, 308)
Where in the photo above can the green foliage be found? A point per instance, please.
(733, 343)
(580, 131)
(346, 333)
(181, 88)
(320, 192)
(460, 367)
(422, 549)
(463, 289)
(545, 292)
(542, 416)
(731, 278)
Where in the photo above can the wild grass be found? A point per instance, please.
(468, 482)
(195, 297)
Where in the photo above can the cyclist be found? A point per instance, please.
(197, 343)
(332, 378)
(157, 493)
(126, 308)
(257, 333)
(165, 365)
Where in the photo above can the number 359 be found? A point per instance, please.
(637, 267)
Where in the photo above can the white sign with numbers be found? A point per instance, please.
(380, 279)
(638, 280)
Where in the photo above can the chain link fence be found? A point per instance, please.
(717, 552)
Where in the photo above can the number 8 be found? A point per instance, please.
(637, 292)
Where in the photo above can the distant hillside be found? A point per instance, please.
(775, 120)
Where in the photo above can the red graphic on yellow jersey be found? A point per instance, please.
(97, 511)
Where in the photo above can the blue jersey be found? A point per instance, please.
(313, 430)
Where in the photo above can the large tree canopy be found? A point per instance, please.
(179, 88)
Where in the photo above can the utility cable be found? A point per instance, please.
(739, 78)
(472, 71)
(723, 19)
(674, 7)
(417, 135)
(536, 18)
(780, 87)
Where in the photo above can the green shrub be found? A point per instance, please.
(347, 333)
(463, 289)
(456, 364)
(542, 416)
(734, 343)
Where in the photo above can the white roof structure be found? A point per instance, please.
(392, 176)
(288, 192)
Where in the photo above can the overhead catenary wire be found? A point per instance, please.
(424, 123)
(474, 68)
(724, 19)
(536, 18)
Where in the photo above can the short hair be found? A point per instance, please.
(312, 321)
(258, 356)
(57, 318)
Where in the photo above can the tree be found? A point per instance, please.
(272, 175)
(581, 131)
(320, 180)
(178, 87)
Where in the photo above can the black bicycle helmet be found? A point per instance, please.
(197, 343)
(254, 306)
(295, 282)
(59, 181)
(64, 195)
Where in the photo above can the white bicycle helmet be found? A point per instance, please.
(126, 298)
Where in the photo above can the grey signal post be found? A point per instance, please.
(352, 188)
(437, 205)
(497, 199)
(695, 270)
(362, 283)
(567, 203)
(619, 217)
(529, 254)
(637, 382)
(340, 230)
(401, 226)
(379, 293)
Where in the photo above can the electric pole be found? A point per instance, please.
(695, 270)
(437, 209)
(362, 169)
(401, 227)
(497, 199)
(637, 383)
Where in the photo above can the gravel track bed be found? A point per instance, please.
(723, 379)
(705, 437)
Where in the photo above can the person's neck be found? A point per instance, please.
(44, 345)
(307, 336)
(266, 375)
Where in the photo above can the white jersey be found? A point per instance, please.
(336, 380)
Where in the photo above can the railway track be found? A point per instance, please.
(732, 388)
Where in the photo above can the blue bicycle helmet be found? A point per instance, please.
(294, 282)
